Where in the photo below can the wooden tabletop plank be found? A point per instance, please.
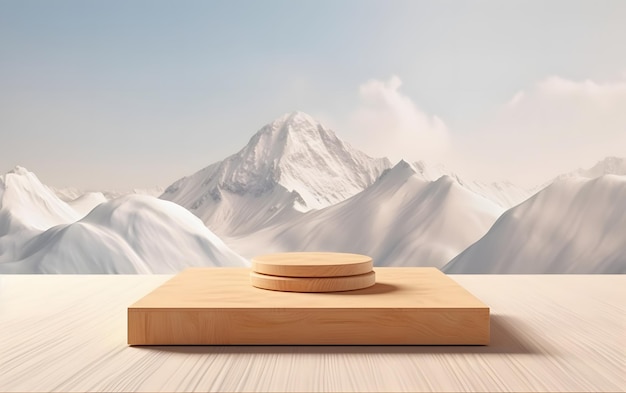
(425, 287)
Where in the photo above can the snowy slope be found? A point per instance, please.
(401, 220)
(132, 234)
(67, 194)
(27, 208)
(503, 193)
(27, 204)
(576, 225)
(86, 202)
(293, 164)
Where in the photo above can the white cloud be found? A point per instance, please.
(555, 126)
(388, 123)
(551, 127)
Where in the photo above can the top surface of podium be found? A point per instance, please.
(408, 288)
(312, 264)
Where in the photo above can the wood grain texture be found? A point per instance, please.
(552, 333)
(312, 264)
(312, 284)
(216, 306)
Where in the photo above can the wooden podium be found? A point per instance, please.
(219, 306)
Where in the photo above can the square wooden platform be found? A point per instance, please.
(218, 306)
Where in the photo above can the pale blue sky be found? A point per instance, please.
(122, 94)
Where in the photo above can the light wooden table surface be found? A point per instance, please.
(549, 333)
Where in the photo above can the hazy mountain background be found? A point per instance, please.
(297, 187)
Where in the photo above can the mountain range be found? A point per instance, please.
(502, 193)
(296, 187)
(130, 234)
(400, 220)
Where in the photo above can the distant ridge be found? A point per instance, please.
(128, 235)
(575, 225)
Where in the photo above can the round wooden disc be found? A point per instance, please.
(313, 284)
(312, 264)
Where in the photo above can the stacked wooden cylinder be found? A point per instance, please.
(312, 272)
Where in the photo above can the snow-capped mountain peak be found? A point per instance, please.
(304, 156)
(295, 121)
(292, 163)
(400, 171)
(26, 203)
(432, 172)
(608, 166)
(19, 170)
